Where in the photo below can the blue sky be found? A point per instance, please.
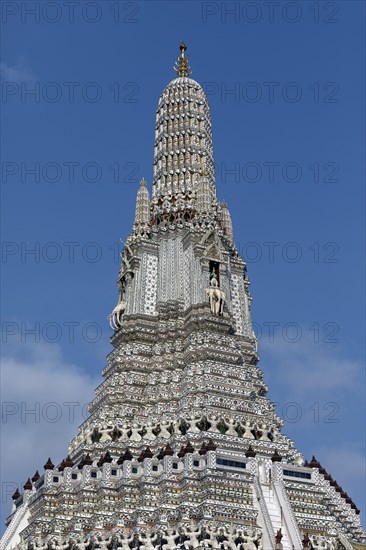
(286, 92)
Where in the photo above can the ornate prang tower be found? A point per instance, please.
(182, 449)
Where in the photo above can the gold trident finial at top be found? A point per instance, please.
(181, 66)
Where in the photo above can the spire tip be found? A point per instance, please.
(181, 66)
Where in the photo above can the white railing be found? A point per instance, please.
(291, 523)
(345, 542)
(12, 527)
(264, 510)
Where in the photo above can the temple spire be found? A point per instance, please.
(227, 223)
(183, 137)
(182, 404)
(142, 214)
(181, 66)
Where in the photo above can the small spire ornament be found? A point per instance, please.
(142, 213)
(227, 223)
(181, 66)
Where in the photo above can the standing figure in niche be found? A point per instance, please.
(213, 279)
(216, 295)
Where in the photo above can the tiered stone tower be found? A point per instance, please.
(182, 448)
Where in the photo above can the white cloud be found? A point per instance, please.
(20, 72)
(36, 378)
(306, 366)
